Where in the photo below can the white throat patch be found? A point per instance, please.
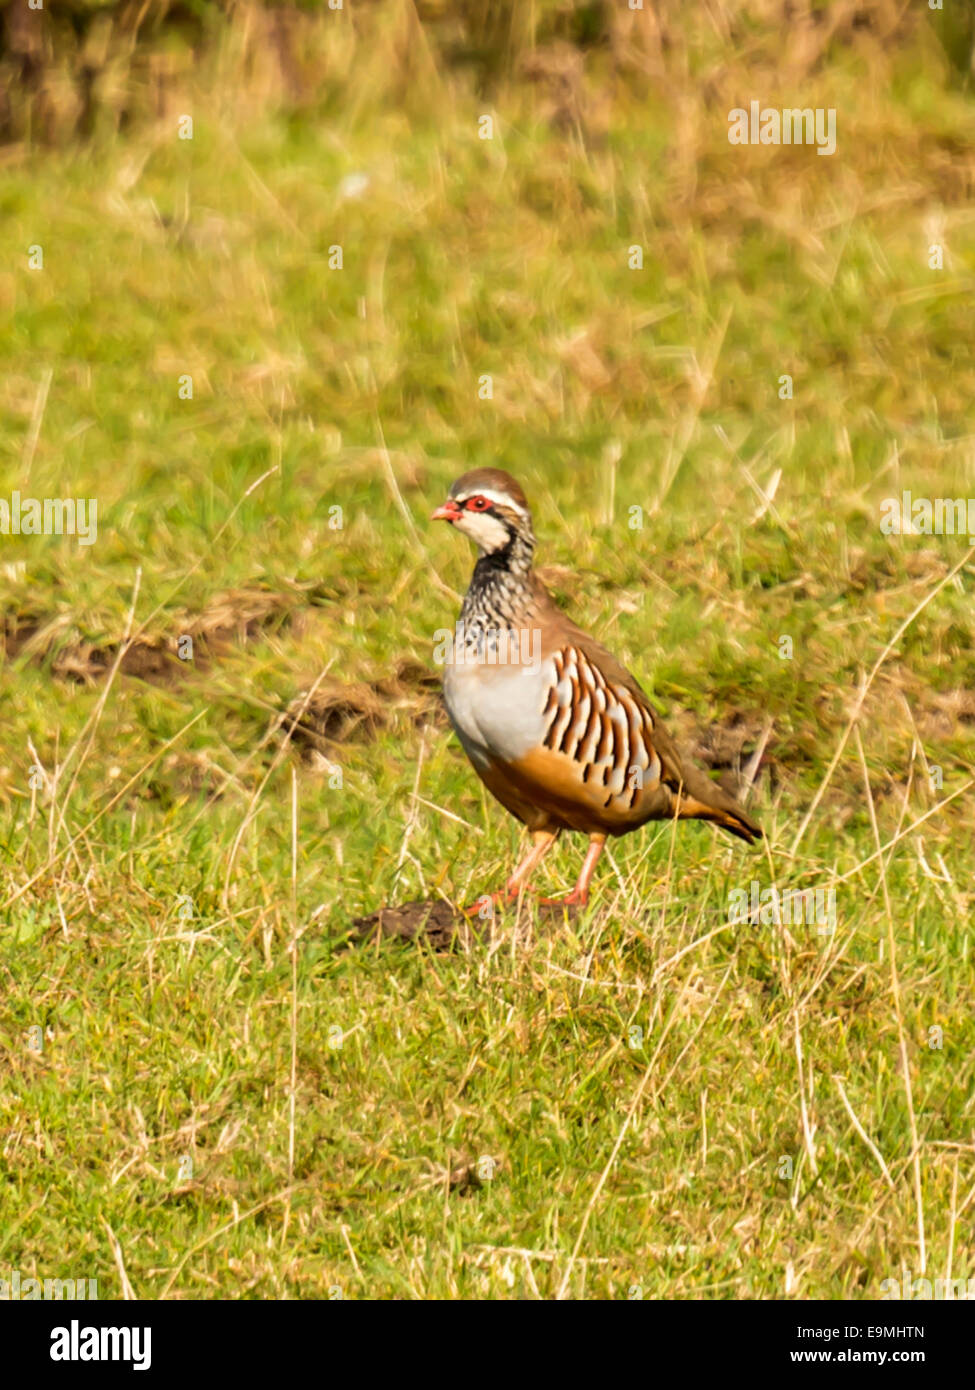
(485, 530)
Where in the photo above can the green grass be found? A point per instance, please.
(621, 1160)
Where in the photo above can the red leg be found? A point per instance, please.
(542, 842)
(579, 896)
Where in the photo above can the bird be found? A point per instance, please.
(556, 728)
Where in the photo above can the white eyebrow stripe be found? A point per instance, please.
(501, 498)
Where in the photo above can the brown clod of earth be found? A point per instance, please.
(339, 712)
(437, 922)
(942, 713)
(724, 746)
(557, 69)
(236, 616)
(241, 615)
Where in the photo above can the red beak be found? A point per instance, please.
(448, 512)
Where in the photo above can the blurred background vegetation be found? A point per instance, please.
(93, 67)
(166, 783)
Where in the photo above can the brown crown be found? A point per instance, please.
(494, 478)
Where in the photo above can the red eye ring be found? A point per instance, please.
(477, 504)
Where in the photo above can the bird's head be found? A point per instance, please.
(489, 507)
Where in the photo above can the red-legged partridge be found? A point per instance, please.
(556, 728)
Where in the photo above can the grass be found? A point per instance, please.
(646, 1101)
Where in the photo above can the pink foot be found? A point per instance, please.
(577, 898)
(510, 895)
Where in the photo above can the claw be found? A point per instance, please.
(485, 905)
(510, 895)
(576, 898)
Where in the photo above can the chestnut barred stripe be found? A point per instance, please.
(603, 728)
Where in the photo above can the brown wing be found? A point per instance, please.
(617, 676)
(699, 798)
(606, 763)
(601, 765)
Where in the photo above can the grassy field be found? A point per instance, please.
(205, 1091)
